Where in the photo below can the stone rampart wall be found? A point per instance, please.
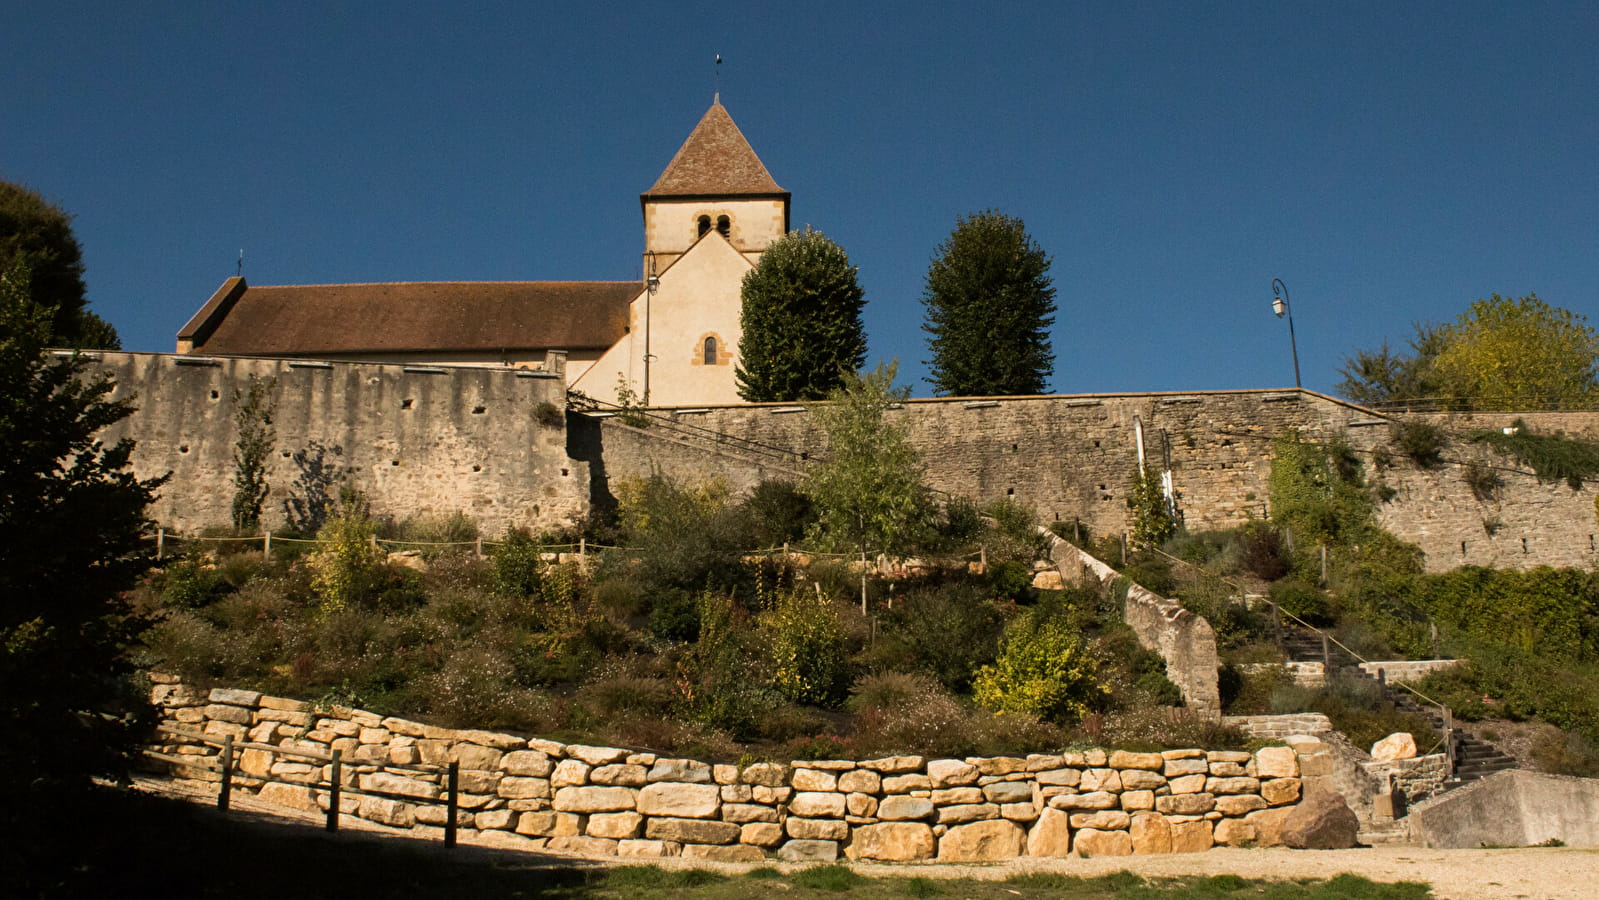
(418, 440)
(1402, 670)
(605, 801)
(1185, 641)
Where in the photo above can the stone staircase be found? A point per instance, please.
(1474, 758)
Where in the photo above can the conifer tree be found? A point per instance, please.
(801, 321)
(990, 303)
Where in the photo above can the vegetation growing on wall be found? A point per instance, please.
(1552, 457)
(253, 407)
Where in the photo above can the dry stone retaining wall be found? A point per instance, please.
(606, 801)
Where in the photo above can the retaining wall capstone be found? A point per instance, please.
(607, 801)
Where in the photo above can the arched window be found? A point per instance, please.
(709, 356)
(724, 226)
(705, 225)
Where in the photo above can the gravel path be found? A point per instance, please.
(1535, 873)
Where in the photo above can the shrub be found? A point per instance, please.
(1043, 670)
(1153, 518)
(1552, 457)
(434, 535)
(518, 562)
(1317, 490)
(345, 568)
(1262, 552)
(779, 513)
(192, 582)
(1014, 536)
(687, 539)
(1301, 599)
(1483, 479)
(1163, 728)
(1011, 581)
(1560, 753)
(1357, 708)
(802, 636)
(944, 630)
(1422, 442)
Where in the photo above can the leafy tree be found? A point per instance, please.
(37, 233)
(869, 490)
(801, 321)
(1501, 353)
(990, 303)
(1044, 669)
(72, 522)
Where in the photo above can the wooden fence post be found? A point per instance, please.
(480, 547)
(160, 543)
(452, 803)
(333, 792)
(227, 772)
(266, 545)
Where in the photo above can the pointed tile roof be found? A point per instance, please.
(715, 161)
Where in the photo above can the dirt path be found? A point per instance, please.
(1535, 873)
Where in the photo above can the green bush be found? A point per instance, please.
(1153, 521)
(1043, 669)
(1317, 490)
(1014, 537)
(1301, 599)
(1262, 553)
(345, 569)
(1357, 707)
(802, 636)
(192, 582)
(518, 564)
(945, 630)
(1011, 581)
(1422, 442)
(779, 513)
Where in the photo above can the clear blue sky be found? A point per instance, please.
(1389, 161)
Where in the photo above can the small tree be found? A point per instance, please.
(1043, 670)
(801, 321)
(253, 407)
(803, 636)
(72, 526)
(1153, 521)
(347, 563)
(869, 490)
(990, 303)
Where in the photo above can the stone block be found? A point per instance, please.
(172, 696)
(770, 775)
(1018, 812)
(493, 819)
(1185, 804)
(860, 804)
(954, 796)
(515, 788)
(736, 793)
(595, 756)
(861, 781)
(951, 773)
(1103, 820)
(284, 704)
(895, 765)
(969, 812)
(817, 805)
(1063, 777)
(994, 840)
(734, 853)
(595, 799)
(723, 774)
(999, 765)
(570, 773)
(619, 775)
(1187, 784)
(1133, 801)
(475, 782)
(900, 808)
(237, 715)
(1185, 766)
(813, 780)
(476, 757)
(1191, 837)
(1276, 762)
(1268, 825)
(817, 829)
(615, 826)
(686, 771)
(1008, 792)
(761, 834)
(292, 796)
(580, 845)
(1122, 759)
(1142, 780)
(747, 812)
(438, 815)
(550, 824)
(1093, 800)
(763, 794)
(1234, 833)
(387, 812)
(530, 763)
(1232, 785)
(904, 784)
(396, 784)
(1239, 805)
(1050, 835)
(809, 851)
(1322, 821)
(1150, 833)
(645, 849)
(692, 831)
(892, 842)
(1400, 745)
(686, 801)
(492, 739)
(1228, 770)
(1091, 842)
(254, 762)
(235, 697)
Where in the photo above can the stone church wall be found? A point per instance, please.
(417, 440)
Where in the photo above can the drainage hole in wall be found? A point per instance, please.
(1013, 448)
(405, 404)
(477, 468)
(1096, 445)
(478, 410)
(1101, 487)
(184, 449)
(215, 395)
(286, 454)
(394, 462)
(1010, 492)
(563, 473)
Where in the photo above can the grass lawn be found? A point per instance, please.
(113, 843)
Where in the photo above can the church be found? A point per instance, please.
(669, 339)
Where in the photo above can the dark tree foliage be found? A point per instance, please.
(38, 234)
(801, 321)
(990, 303)
(72, 516)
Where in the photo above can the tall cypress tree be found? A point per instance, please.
(990, 303)
(801, 321)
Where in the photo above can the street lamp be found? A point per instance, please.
(1280, 305)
